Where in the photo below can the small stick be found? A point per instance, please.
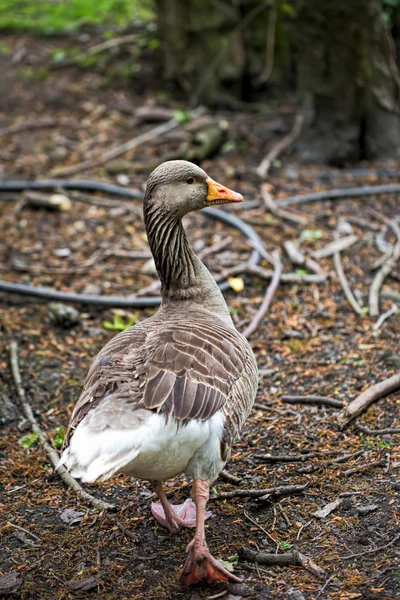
(280, 212)
(346, 457)
(32, 535)
(336, 246)
(393, 541)
(384, 316)
(341, 194)
(214, 248)
(368, 431)
(229, 477)
(297, 257)
(386, 268)
(68, 480)
(269, 294)
(277, 149)
(345, 284)
(293, 558)
(390, 295)
(143, 138)
(287, 457)
(323, 400)
(366, 398)
(362, 468)
(33, 124)
(249, 269)
(282, 490)
(327, 582)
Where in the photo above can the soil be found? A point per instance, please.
(311, 342)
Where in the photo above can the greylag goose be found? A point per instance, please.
(169, 395)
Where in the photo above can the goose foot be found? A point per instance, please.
(179, 515)
(202, 566)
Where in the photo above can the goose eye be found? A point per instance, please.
(190, 180)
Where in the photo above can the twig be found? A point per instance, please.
(335, 246)
(229, 477)
(32, 535)
(282, 490)
(393, 541)
(143, 138)
(279, 212)
(285, 142)
(386, 268)
(346, 457)
(345, 284)
(390, 295)
(214, 248)
(362, 468)
(392, 311)
(327, 582)
(323, 400)
(68, 480)
(293, 558)
(367, 431)
(260, 527)
(296, 257)
(366, 398)
(269, 294)
(96, 49)
(287, 457)
(33, 124)
(341, 194)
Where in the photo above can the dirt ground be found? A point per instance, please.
(311, 342)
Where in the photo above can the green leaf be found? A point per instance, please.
(284, 545)
(118, 323)
(301, 272)
(311, 235)
(214, 491)
(28, 440)
(182, 116)
(227, 565)
(234, 559)
(58, 437)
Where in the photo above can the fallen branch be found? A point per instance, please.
(393, 541)
(270, 44)
(279, 212)
(287, 457)
(296, 257)
(335, 246)
(345, 284)
(362, 468)
(366, 398)
(386, 268)
(341, 194)
(288, 559)
(367, 431)
(33, 124)
(229, 477)
(282, 490)
(285, 142)
(392, 311)
(322, 400)
(52, 454)
(249, 269)
(143, 138)
(389, 295)
(269, 294)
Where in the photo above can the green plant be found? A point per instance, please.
(58, 437)
(285, 545)
(118, 323)
(28, 440)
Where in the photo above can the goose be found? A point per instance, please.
(170, 394)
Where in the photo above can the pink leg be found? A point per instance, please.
(200, 564)
(173, 517)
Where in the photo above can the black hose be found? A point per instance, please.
(116, 301)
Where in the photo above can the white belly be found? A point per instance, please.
(155, 450)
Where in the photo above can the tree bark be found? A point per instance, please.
(344, 75)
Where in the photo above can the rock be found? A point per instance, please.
(91, 289)
(8, 411)
(367, 508)
(77, 586)
(71, 516)
(63, 315)
(9, 583)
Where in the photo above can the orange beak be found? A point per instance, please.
(219, 194)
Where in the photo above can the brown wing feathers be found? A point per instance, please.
(182, 371)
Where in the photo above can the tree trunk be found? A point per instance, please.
(347, 82)
(202, 47)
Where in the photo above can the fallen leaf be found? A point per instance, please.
(327, 509)
(71, 516)
(236, 283)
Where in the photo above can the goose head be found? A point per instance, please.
(179, 187)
